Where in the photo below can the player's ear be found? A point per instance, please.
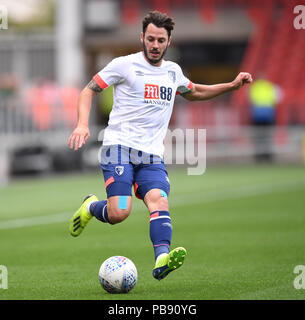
(142, 37)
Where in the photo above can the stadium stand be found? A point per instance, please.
(277, 51)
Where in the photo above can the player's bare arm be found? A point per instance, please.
(81, 133)
(205, 92)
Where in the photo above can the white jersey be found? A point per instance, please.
(143, 99)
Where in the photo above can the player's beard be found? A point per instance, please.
(153, 61)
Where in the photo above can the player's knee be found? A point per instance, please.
(156, 200)
(162, 204)
(117, 215)
(119, 209)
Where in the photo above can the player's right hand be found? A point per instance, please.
(241, 79)
(79, 137)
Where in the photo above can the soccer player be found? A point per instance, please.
(145, 86)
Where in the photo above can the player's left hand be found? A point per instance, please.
(241, 79)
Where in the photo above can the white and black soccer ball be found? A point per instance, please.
(118, 274)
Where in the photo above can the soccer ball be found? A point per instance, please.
(118, 274)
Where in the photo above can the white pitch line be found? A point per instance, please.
(35, 221)
(175, 201)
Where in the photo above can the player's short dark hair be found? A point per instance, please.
(160, 20)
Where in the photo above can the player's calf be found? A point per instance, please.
(160, 229)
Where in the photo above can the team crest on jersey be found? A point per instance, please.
(119, 170)
(172, 76)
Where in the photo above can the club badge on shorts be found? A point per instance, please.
(119, 170)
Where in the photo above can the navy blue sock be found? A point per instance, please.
(160, 231)
(99, 210)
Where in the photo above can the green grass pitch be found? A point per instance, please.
(243, 228)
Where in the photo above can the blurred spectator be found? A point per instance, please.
(41, 99)
(264, 97)
(8, 86)
(52, 107)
